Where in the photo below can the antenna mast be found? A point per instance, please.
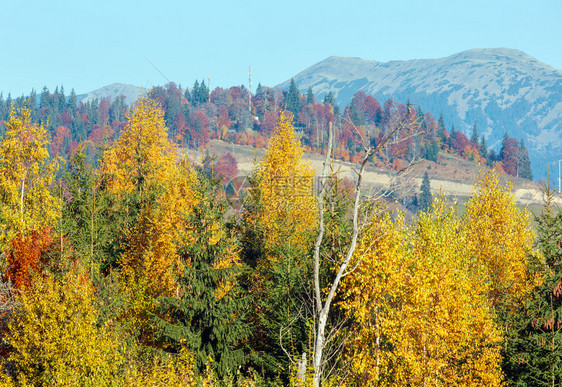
(250, 91)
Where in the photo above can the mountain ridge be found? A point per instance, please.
(501, 89)
(130, 92)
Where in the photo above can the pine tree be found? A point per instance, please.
(483, 148)
(62, 101)
(279, 223)
(32, 105)
(56, 101)
(86, 217)
(293, 100)
(45, 102)
(210, 316)
(452, 136)
(310, 97)
(474, 137)
(329, 98)
(441, 129)
(426, 198)
(203, 93)
(72, 101)
(533, 350)
(195, 93)
(524, 163)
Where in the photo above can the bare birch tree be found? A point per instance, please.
(400, 131)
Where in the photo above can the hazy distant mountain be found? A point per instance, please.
(131, 93)
(503, 90)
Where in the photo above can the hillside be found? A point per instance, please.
(451, 175)
(502, 90)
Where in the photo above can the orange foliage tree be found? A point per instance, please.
(26, 255)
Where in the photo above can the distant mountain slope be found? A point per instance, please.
(503, 90)
(131, 93)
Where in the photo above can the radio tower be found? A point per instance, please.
(250, 91)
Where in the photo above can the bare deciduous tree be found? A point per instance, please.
(401, 130)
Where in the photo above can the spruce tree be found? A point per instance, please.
(62, 100)
(187, 95)
(426, 198)
(72, 101)
(195, 93)
(533, 349)
(441, 129)
(474, 137)
(259, 90)
(524, 164)
(483, 148)
(452, 136)
(329, 98)
(310, 97)
(85, 220)
(293, 101)
(210, 316)
(203, 92)
(45, 101)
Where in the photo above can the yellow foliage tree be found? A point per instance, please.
(285, 184)
(500, 239)
(142, 168)
(25, 176)
(417, 300)
(56, 339)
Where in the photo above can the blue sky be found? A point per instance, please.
(89, 44)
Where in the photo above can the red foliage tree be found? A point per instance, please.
(26, 256)
(509, 154)
(224, 118)
(66, 119)
(198, 124)
(58, 139)
(368, 105)
(226, 167)
(430, 127)
(268, 123)
(103, 111)
(460, 142)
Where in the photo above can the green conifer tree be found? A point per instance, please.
(310, 97)
(204, 92)
(533, 348)
(524, 164)
(426, 198)
(45, 101)
(329, 98)
(474, 137)
(293, 100)
(441, 129)
(72, 100)
(483, 148)
(210, 316)
(84, 216)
